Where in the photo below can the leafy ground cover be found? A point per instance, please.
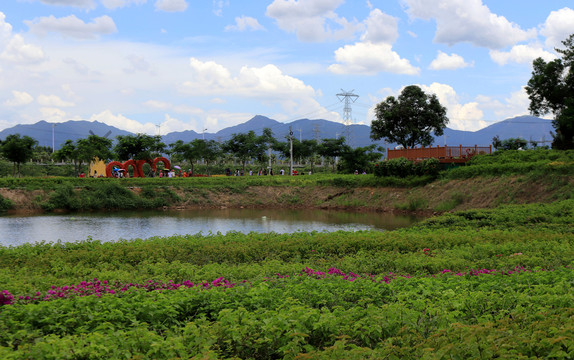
(481, 284)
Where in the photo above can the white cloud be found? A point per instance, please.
(468, 21)
(20, 98)
(311, 20)
(210, 78)
(244, 23)
(71, 26)
(114, 4)
(514, 105)
(444, 61)
(122, 122)
(380, 28)
(466, 117)
(18, 51)
(368, 58)
(138, 64)
(53, 114)
(218, 6)
(171, 5)
(53, 101)
(522, 54)
(558, 26)
(86, 4)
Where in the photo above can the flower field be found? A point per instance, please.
(478, 284)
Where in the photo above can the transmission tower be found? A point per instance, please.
(349, 98)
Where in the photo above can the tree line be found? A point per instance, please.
(243, 148)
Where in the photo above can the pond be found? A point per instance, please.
(110, 226)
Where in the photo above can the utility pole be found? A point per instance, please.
(291, 151)
(349, 98)
(53, 148)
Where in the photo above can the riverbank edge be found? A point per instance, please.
(437, 197)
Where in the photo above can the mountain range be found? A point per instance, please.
(526, 127)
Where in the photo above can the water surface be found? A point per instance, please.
(110, 226)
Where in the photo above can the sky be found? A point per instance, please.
(159, 66)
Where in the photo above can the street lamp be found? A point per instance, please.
(203, 133)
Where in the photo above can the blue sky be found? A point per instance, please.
(157, 66)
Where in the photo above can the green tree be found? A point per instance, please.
(211, 151)
(247, 146)
(359, 158)
(410, 119)
(332, 148)
(18, 150)
(138, 147)
(509, 144)
(551, 90)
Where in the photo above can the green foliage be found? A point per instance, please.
(401, 295)
(402, 167)
(550, 90)
(533, 163)
(509, 144)
(5, 204)
(17, 150)
(410, 119)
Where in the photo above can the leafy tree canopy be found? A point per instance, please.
(18, 150)
(138, 147)
(551, 90)
(410, 119)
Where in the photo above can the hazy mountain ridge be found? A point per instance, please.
(527, 127)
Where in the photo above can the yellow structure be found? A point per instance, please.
(97, 168)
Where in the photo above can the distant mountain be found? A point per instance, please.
(527, 127)
(69, 130)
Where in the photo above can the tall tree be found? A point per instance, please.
(410, 119)
(332, 148)
(359, 158)
(551, 90)
(247, 146)
(211, 151)
(138, 147)
(18, 150)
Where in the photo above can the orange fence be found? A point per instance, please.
(443, 153)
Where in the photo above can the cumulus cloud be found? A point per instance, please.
(516, 104)
(171, 5)
(20, 98)
(468, 21)
(13, 48)
(20, 52)
(558, 26)
(312, 20)
(114, 4)
(210, 78)
(122, 122)
(445, 61)
(53, 101)
(380, 28)
(245, 23)
(85, 4)
(466, 116)
(71, 26)
(522, 54)
(368, 58)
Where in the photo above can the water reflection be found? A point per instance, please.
(17, 230)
